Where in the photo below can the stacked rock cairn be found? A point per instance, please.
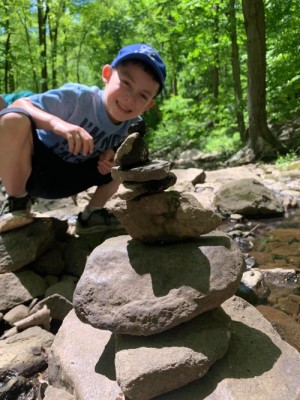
(160, 287)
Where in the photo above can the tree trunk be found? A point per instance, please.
(53, 38)
(216, 63)
(65, 56)
(42, 19)
(236, 72)
(9, 83)
(54, 28)
(79, 54)
(24, 22)
(261, 141)
(8, 78)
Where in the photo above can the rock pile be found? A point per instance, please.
(41, 263)
(148, 212)
(152, 302)
(165, 291)
(160, 288)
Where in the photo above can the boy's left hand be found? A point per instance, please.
(106, 161)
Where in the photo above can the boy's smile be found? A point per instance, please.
(129, 91)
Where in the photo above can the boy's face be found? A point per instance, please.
(129, 91)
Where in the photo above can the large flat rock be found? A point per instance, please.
(147, 366)
(133, 288)
(258, 364)
(82, 361)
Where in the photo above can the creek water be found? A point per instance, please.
(272, 246)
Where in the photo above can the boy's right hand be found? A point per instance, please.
(79, 140)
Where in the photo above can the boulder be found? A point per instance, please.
(247, 197)
(164, 217)
(134, 288)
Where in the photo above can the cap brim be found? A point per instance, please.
(147, 59)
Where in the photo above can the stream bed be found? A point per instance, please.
(272, 281)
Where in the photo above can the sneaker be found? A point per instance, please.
(15, 212)
(99, 221)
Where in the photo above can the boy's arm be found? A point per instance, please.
(78, 138)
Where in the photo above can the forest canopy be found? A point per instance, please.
(46, 43)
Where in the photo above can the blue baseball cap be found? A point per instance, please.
(145, 52)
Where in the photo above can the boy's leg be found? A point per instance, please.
(15, 152)
(16, 148)
(95, 218)
(44, 175)
(103, 194)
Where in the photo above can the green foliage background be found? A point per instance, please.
(193, 37)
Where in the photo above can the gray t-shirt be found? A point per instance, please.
(83, 106)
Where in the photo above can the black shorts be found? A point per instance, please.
(53, 178)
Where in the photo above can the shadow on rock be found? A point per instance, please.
(106, 364)
(251, 353)
(170, 269)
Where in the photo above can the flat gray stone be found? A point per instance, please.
(164, 217)
(258, 365)
(149, 366)
(22, 246)
(19, 287)
(65, 287)
(153, 170)
(24, 352)
(16, 314)
(133, 288)
(81, 361)
(131, 190)
(53, 393)
(58, 305)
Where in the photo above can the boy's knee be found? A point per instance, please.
(15, 122)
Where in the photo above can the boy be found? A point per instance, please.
(61, 142)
